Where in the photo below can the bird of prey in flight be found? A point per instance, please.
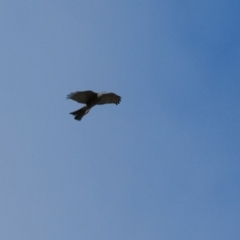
(91, 99)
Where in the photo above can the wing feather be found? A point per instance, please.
(82, 97)
(109, 98)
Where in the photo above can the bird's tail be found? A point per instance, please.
(80, 113)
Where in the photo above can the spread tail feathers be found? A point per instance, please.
(80, 113)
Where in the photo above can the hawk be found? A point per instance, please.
(91, 99)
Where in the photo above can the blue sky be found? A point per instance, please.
(164, 164)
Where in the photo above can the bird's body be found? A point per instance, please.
(91, 99)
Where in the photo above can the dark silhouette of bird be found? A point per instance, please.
(91, 99)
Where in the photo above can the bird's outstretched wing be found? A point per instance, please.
(82, 97)
(109, 98)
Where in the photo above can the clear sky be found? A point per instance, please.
(164, 164)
